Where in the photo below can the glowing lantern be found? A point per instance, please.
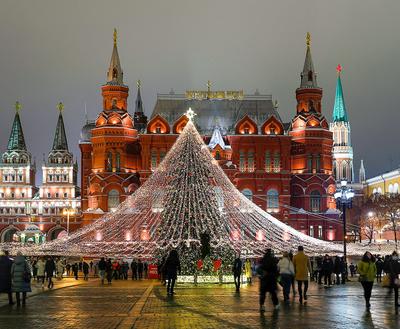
(144, 235)
(260, 236)
(99, 236)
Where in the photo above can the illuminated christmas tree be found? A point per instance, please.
(189, 204)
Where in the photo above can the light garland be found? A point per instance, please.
(187, 195)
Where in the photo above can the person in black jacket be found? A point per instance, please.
(379, 269)
(172, 266)
(134, 270)
(49, 269)
(5, 276)
(327, 268)
(102, 269)
(109, 270)
(268, 273)
(393, 270)
(337, 269)
(237, 272)
(140, 269)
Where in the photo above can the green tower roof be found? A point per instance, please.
(16, 140)
(339, 109)
(60, 138)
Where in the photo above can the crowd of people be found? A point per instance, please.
(17, 274)
(325, 271)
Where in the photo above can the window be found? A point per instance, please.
(390, 188)
(246, 130)
(48, 195)
(20, 178)
(272, 130)
(309, 163)
(396, 188)
(379, 191)
(319, 231)
(344, 171)
(65, 195)
(118, 162)
(65, 178)
(317, 162)
(158, 130)
(311, 231)
(109, 162)
(113, 200)
(267, 161)
(22, 195)
(272, 200)
(242, 161)
(315, 201)
(217, 155)
(153, 159)
(57, 194)
(250, 161)
(50, 178)
(248, 194)
(2, 194)
(13, 195)
(277, 162)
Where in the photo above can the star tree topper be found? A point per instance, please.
(190, 114)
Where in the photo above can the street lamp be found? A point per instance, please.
(67, 212)
(344, 196)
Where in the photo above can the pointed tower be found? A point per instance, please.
(140, 120)
(361, 175)
(311, 152)
(17, 172)
(110, 150)
(59, 191)
(340, 127)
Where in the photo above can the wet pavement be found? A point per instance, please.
(144, 304)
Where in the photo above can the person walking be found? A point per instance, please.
(125, 269)
(34, 269)
(393, 270)
(40, 270)
(102, 269)
(352, 268)
(75, 270)
(337, 269)
(49, 269)
(286, 271)
(172, 266)
(134, 270)
(21, 278)
(367, 270)
(379, 269)
(327, 268)
(68, 268)
(302, 268)
(109, 270)
(140, 269)
(60, 269)
(85, 269)
(237, 272)
(248, 270)
(268, 273)
(5, 275)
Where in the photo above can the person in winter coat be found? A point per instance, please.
(268, 273)
(21, 278)
(393, 270)
(5, 276)
(337, 269)
(49, 269)
(286, 271)
(134, 270)
(60, 269)
(172, 266)
(248, 271)
(237, 272)
(109, 271)
(85, 269)
(327, 269)
(140, 269)
(75, 270)
(367, 270)
(379, 269)
(302, 267)
(40, 270)
(102, 269)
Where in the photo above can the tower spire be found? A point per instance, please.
(308, 75)
(60, 138)
(362, 173)
(140, 120)
(138, 102)
(16, 142)
(339, 108)
(115, 74)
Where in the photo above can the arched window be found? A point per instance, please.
(315, 201)
(396, 188)
(379, 191)
(390, 188)
(272, 200)
(248, 194)
(113, 200)
(277, 162)
(109, 162)
(374, 191)
(242, 161)
(250, 161)
(118, 162)
(267, 161)
(344, 171)
(217, 155)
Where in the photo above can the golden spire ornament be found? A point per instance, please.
(115, 36)
(308, 39)
(139, 84)
(17, 106)
(60, 106)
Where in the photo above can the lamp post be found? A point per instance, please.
(67, 212)
(344, 196)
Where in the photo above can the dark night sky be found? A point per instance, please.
(55, 51)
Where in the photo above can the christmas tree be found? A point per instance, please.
(188, 204)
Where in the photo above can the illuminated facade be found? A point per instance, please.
(29, 214)
(285, 168)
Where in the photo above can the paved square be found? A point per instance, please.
(144, 304)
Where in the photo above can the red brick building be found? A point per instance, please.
(285, 168)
